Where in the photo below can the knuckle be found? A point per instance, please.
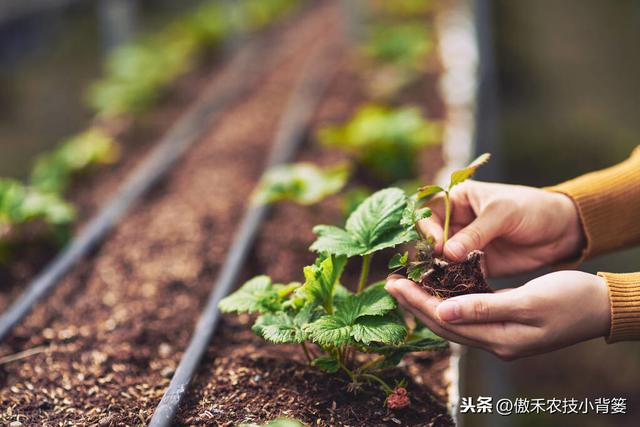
(473, 236)
(480, 310)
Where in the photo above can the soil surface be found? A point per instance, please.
(245, 379)
(104, 345)
(448, 279)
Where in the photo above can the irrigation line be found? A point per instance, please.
(236, 81)
(291, 131)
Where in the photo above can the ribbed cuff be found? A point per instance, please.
(608, 202)
(624, 294)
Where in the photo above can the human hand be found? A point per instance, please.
(519, 228)
(550, 312)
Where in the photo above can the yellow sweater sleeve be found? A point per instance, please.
(608, 203)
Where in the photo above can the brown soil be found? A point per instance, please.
(104, 345)
(447, 279)
(244, 379)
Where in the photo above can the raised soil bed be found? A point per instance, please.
(102, 348)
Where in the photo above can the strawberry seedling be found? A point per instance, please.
(52, 172)
(303, 183)
(322, 315)
(386, 141)
(438, 276)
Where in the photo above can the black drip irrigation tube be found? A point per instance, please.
(238, 78)
(308, 92)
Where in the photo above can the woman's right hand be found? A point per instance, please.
(519, 228)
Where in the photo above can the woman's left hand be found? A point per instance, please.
(550, 312)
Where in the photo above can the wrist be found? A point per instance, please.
(602, 314)
(574, 240)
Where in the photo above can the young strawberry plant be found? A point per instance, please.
(405, 45)
(437, 275)
(52, 172)
(303, 183)
(335, 327)
(386, 141)
(20, 204)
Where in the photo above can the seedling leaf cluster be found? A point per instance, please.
(303, 183)
(384, 140)
(330, 322)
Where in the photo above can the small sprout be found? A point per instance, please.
(398, 261)
(303, 183)
(457, 177)
(384, 140)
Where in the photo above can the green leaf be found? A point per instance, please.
(373, 301)
(411, 214)
(337, 241)
(20, 204)
(374, 225)
(284, 327)
(53, 171)
(256, 295)
(414, 272)
(321, 280)
(385, 140)
(360, 318)
(381, 329)
(329, 330)
(421, 339)
(463, 174)
(326, 364)
(429, 190)
(398, 260)
(303, 183)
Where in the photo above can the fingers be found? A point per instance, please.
(424, 306)
(479, 233)
(482, 308)
(432, 325)
(432, 227)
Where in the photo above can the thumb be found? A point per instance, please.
(479, 308)
(476, 235)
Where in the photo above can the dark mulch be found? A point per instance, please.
(244, 379)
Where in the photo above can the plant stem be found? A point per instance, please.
(347, 370)
(447, 217)
(306, 352)
(364, 273)
(371, 363)
(379, 380)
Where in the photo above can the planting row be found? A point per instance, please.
(105, 344)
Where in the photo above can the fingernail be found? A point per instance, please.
(455, 249)
(449, 311)
(390, 283)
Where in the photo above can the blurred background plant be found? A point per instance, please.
(137, 74)
(386, 141)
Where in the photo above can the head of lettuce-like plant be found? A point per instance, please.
(324, 316)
